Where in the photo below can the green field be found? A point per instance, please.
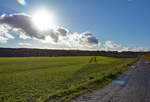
(47, 79)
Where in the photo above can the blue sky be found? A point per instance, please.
(123, 22)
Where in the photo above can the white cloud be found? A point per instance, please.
(125, 49)
(3, 39)
(109, 45)
(4, 34)
(135, 48)
(24, 44)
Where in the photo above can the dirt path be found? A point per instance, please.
(132, 86)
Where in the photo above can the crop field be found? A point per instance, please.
(48, 79)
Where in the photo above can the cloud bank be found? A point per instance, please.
(109, 45)
(22, 24)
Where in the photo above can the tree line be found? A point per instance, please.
(27, 52)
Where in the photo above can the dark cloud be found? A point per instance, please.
(22, 23)
(88, 38)
(62, 31)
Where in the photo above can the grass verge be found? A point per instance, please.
(147, 57)
(68, 94)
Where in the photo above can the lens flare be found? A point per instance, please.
(22, 2)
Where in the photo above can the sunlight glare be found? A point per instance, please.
(43, 20)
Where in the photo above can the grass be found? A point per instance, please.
(147, 56)
(49, 79)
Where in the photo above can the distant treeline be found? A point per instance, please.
(26, 52)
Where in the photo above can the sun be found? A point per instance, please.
(43, 20)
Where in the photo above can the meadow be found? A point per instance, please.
(49, 79)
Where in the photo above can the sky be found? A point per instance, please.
(120, 25)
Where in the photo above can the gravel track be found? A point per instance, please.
(132, 86)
